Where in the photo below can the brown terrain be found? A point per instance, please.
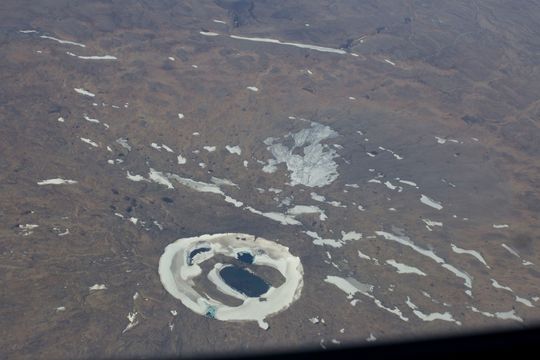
(449, 89)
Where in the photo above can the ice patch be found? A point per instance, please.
(506, 315)
(135, 177)
(181, 160)
(350, 285)
(407, 182)
(430, 202)
(307, 209)
(27, 229)
(316, 166)
(446, 316)
(430, 224)
(234, 149)
(351, 235)
(345, 236)
(321, 198)
(524, 301)
(389, 185)
(124, 143)
(233, 201)
(317, 240)
(405, 269)
(159, 178)
(132, 318)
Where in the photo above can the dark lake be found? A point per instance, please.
(243, 281)
(245, 257)
(195, 252)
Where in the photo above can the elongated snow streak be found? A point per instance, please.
(56, 181)
(473, 253)
(89, 119)
(98, 287)
(283, 219)
(178, 271)
(503, 315)
(200, 186)
(510, 250)
(345, 236)
(299, 45)
(208, 33)
(93, 57)
(352, 286)
(496, 285)
(404, 240)
(223, 182)
(84, 92)
(66, 42)
(446, 316)
(89, 142)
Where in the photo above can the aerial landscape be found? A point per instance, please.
(183, 178)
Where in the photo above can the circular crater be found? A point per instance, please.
(232, 277)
